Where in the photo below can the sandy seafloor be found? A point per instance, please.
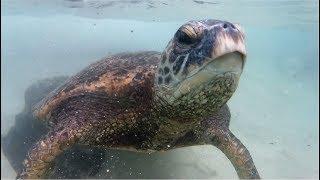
(274, 110)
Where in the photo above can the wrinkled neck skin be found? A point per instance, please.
(200, 101)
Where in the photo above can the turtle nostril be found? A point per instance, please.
(233, 27)
(225, 25)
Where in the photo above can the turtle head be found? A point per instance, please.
(201, 64)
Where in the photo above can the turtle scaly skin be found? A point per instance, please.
(149, 101)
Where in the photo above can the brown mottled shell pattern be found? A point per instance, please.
(112, 75)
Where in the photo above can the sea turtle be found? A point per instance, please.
(149, 101)
(26, 130)
(78, 162)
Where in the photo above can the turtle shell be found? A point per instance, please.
(112, 76)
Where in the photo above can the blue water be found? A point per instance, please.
(274, 110)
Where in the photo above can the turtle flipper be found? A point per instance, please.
(41, 157)
(236, 152)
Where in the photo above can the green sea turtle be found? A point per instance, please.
(150, 101)
(27, 130)
(78, 162)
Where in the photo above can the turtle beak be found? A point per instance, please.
(229, 39)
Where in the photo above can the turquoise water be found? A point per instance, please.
(274, 110)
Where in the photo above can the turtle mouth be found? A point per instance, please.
(230, 62)
(213, 68)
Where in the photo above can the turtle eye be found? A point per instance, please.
(185, 38)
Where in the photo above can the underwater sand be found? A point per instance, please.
(274, 110)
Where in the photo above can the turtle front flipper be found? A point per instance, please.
(217, 133)
(41, 157)
(236, 152)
